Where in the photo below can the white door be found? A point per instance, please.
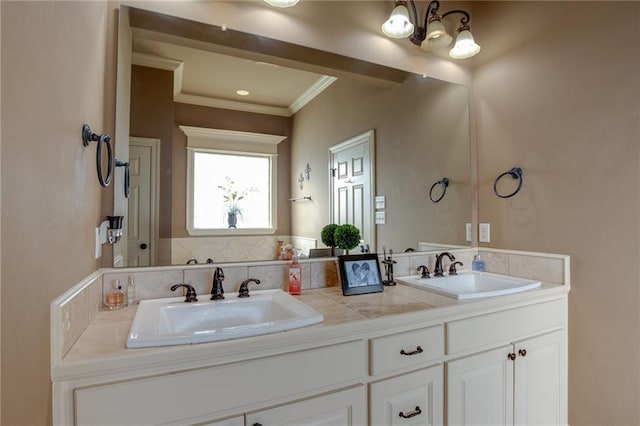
(540, 389)
(480, 389)
(353, 184)
(141, 230)
(343, 408)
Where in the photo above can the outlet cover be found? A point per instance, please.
(484, 234)
(468, 232)
(380, 202)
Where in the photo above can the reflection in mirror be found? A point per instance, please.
(420, 132)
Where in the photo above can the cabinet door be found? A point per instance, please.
(342, 408)
(540, 385)
(234, 421)
(409, 400)
(480, 389)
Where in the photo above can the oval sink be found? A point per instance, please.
(171, 321)
(471, 284)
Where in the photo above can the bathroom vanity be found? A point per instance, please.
(404, 356)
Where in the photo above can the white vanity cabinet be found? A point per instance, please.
(521, 383)
(500, 362)
(410, 399)
(413, 398)
(341, 408)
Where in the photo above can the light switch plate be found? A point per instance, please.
(484, 234)
(98, 252)
(381, 218)
(468, 231)
(380, 202)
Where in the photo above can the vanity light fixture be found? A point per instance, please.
(281, 3)
(433, 34)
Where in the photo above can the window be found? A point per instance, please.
(231, 182)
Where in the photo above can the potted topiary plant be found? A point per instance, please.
(347, 237)
(327, 236)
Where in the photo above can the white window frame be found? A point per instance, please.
(220, 141)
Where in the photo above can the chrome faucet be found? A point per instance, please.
(244, 287)
(217, 292)
(438, 270)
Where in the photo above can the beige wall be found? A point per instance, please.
(55, 65)
(559, 96)
(564, 106)
(421, 135)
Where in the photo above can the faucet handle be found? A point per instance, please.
(452, 268)
(424, 271)
(191, 295)
(244, 287)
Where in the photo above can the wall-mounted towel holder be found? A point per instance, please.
(515, 173)
(87, 137)
(444, 183)
(127, 177)
(307, 197)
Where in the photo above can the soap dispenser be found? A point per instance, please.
(295, 278)
(477, 264)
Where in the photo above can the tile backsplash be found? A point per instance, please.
(73, 311)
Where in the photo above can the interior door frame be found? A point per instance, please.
(154, 231)
(369, 138)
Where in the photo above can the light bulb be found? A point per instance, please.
(465, 46)
(398, 25)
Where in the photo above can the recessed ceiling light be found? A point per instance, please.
(243, 92)
(267, 64)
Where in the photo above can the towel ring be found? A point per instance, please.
(444, 182)
(515, 173)
(127, 177)
(87, 137)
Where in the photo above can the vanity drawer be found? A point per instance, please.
(404, 350)
(204, 392)
(412, 399)
(507, 326)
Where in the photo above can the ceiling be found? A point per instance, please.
(208, 78)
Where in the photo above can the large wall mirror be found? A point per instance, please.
(185, 75)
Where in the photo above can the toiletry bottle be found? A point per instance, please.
(295, 278)
(477, 264)
(131, 292)
(115, 298)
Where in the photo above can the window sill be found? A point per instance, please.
(229, 232)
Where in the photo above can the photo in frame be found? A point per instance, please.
(360, 274)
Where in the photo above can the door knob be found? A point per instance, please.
(143, 246)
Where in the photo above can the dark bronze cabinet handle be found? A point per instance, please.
(522, 352)
(143, 246)
(257, 424)
(512, 356)
(416, 352)
(414, 413)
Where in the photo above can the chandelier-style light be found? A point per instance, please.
(433, 34)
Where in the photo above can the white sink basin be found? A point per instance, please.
(471, 284)
(171, 321)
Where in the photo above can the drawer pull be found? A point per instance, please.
(522, 352)
(414, 413)
(416, 352)
(512, 356)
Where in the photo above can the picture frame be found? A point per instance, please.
(360, 274)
